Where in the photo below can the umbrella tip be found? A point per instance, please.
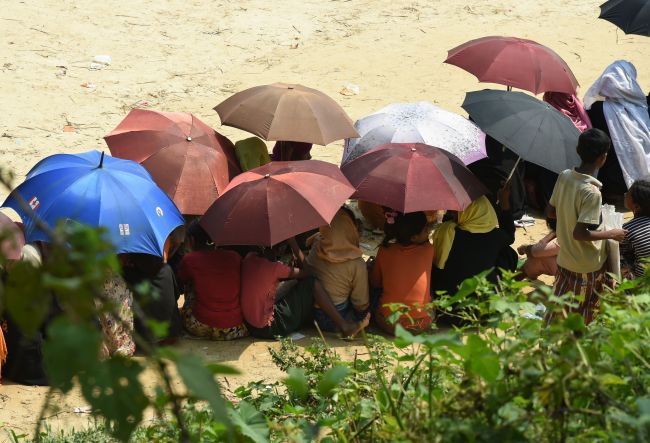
(413, 149)
(267, 175)
(101, 160)
(189, 139)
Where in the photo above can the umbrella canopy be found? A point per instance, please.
(12, 238)
(420, 122)
(88, 188)
(411, 177)
(533, 129)
(515, 62)
(188, 160)
(287, 112)
(632, 16)
(274, 202)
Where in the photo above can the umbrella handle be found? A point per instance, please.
(512, 172)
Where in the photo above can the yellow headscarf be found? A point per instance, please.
(339, 241)
(479, 217)
(251, 153)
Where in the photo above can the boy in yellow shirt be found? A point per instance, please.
(576, 203)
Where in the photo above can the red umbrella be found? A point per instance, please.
(189, 160)
(515, 62)
(411, 177)
(274, 202)
(12, 238)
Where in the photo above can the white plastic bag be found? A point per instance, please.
(613, 220)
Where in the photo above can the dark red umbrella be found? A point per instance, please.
(189, 160)
(274, 202)
(514, 62)
(412, 177)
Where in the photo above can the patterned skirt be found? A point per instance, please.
(198, 329)
(587, 285)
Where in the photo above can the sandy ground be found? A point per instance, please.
(188, 56)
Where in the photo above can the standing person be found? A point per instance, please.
(212, 280)
(277, 299)
(617, 105)
(473, 241)
(402, 270)
(335, 259)
(576, 204)
(635, 247)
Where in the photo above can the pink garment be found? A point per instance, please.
(260, 279)
(571, 106)
(542, 259)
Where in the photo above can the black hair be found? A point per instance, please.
(592, 144)
(640, 193)
(403, 227)
(198, 235)
(551, 223)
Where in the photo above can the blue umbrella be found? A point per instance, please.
(88, 188)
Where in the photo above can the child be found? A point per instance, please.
(576, 202)
(213, 309)
(277, 299)
(541, 257)
(636, 245)
(403, 270)
(335, 259)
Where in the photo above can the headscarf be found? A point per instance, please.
(478, 218)
(251, 153)
(571, 106)
(626, 114)
(338, 242)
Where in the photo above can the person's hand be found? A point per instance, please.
(617, 234)
(521, 250)
(503, 195)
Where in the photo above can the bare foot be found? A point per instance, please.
(351, 329)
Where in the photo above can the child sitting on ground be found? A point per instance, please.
(212, 285)
(335, 259)
(277, 299)
(576, 203)
(635, 247)
(541, 258)
(402, 270)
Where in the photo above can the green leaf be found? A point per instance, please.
(200, 382)
(611, 379)
(574, 322)
(218, 368)
(71, 349)
(250, 422)
(25, 297)
(113, 389)
(332, 378)
(480, 359)
(297, 382)
(159, 329)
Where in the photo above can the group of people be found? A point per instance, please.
(233, 292)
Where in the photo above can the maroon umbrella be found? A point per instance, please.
(411, 177)
(274, 202)
(514, 62)
(189, 160)
(12, 238)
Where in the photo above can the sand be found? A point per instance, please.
(188, 56)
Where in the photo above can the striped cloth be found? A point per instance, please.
(587, 285)
(636, 245)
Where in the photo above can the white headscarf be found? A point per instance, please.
(626, 114)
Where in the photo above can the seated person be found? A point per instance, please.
(291, 151)
(117, 333)
(161, 303)
(402, 270)
(542, 256)
(277, 299)
(251, 153)
(335, 259)
(635, 247)
(471, 242)
(212, 281)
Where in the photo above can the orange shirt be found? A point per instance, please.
(404, 273)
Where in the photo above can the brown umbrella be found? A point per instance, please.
(189, 160)
(269, 204)
(287, 112)
(410, 177)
